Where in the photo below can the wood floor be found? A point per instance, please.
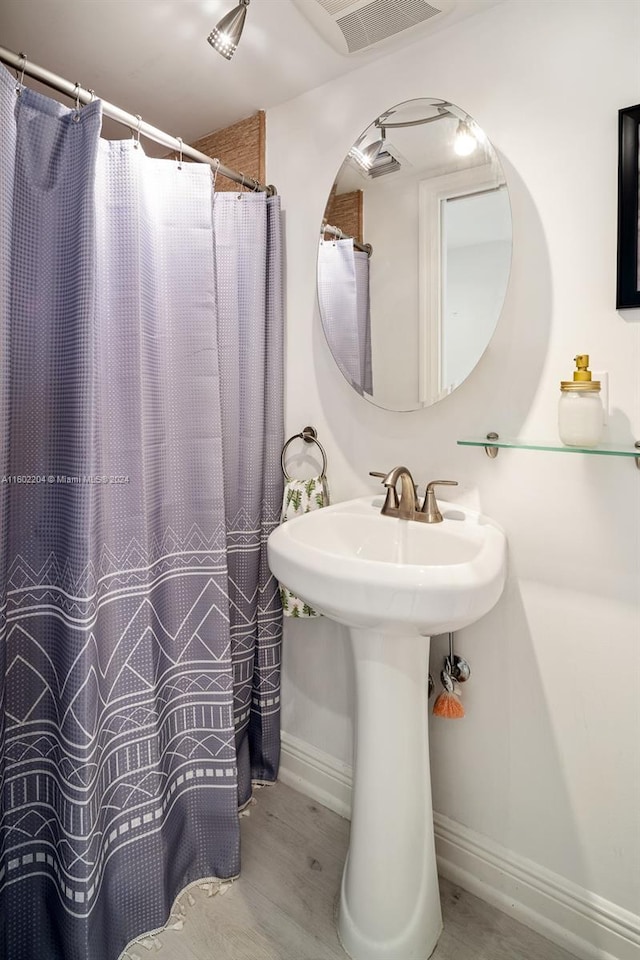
(282, 907)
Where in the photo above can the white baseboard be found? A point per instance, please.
(583, 923)
(316, 774)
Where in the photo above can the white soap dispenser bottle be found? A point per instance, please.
(580, 411)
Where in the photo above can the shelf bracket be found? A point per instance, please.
(492, 452)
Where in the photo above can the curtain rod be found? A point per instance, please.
(20, 63)
(337, 232)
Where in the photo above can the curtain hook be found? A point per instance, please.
(243, 186)
(179, 139)
(93, 96)
(334, 234)
(20, 78)
(214, 174)
(137, 143)
(76, 94)
(256, 185)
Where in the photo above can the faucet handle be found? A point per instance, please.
(441, 483)
(430, 507)
(392, 494)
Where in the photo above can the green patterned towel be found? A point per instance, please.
(301, 496)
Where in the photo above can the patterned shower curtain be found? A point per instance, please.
(343, 294)
(141, 427)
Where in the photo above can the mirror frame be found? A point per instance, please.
(628, 280)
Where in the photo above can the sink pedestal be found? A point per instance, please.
(389, 900)
(389, 580)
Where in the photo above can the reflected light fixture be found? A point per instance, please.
(376, 160)
(226, 34)
(465, 142)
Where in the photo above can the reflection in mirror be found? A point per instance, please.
(414, 255)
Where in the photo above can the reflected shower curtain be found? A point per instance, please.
(343, 293)
(141, 418)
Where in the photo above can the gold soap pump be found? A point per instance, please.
(580, 411)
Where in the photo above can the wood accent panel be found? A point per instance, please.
(345, 210)
(240, 146)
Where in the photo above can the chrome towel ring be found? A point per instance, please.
(309, 435)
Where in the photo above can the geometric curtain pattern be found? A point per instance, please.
(140, 390)
(248, 283)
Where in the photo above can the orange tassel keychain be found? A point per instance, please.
(448, 703)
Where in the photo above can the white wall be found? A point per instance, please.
(547, 761)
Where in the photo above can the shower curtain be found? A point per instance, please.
(343, 294)
(141, 428)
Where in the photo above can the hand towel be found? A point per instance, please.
(301, 496)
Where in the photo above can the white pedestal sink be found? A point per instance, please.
(394, 583)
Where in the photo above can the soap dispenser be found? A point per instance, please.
(580, 411)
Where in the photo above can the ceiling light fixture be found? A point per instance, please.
(226, 34)
(465, 142)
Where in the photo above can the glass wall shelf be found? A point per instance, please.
(493, 443)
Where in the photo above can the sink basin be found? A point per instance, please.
(394, 583)
(365, 570)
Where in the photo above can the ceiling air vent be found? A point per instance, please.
(351, 26)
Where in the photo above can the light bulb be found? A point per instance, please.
(465, 142)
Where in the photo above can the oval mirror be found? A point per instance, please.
(414, 255)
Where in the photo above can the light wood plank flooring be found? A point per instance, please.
(282, 907)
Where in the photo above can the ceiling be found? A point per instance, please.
(150, 57)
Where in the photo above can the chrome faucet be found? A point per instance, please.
(407, 507)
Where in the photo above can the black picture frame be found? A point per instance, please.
(628, 292)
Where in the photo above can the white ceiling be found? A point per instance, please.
(150, 57)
